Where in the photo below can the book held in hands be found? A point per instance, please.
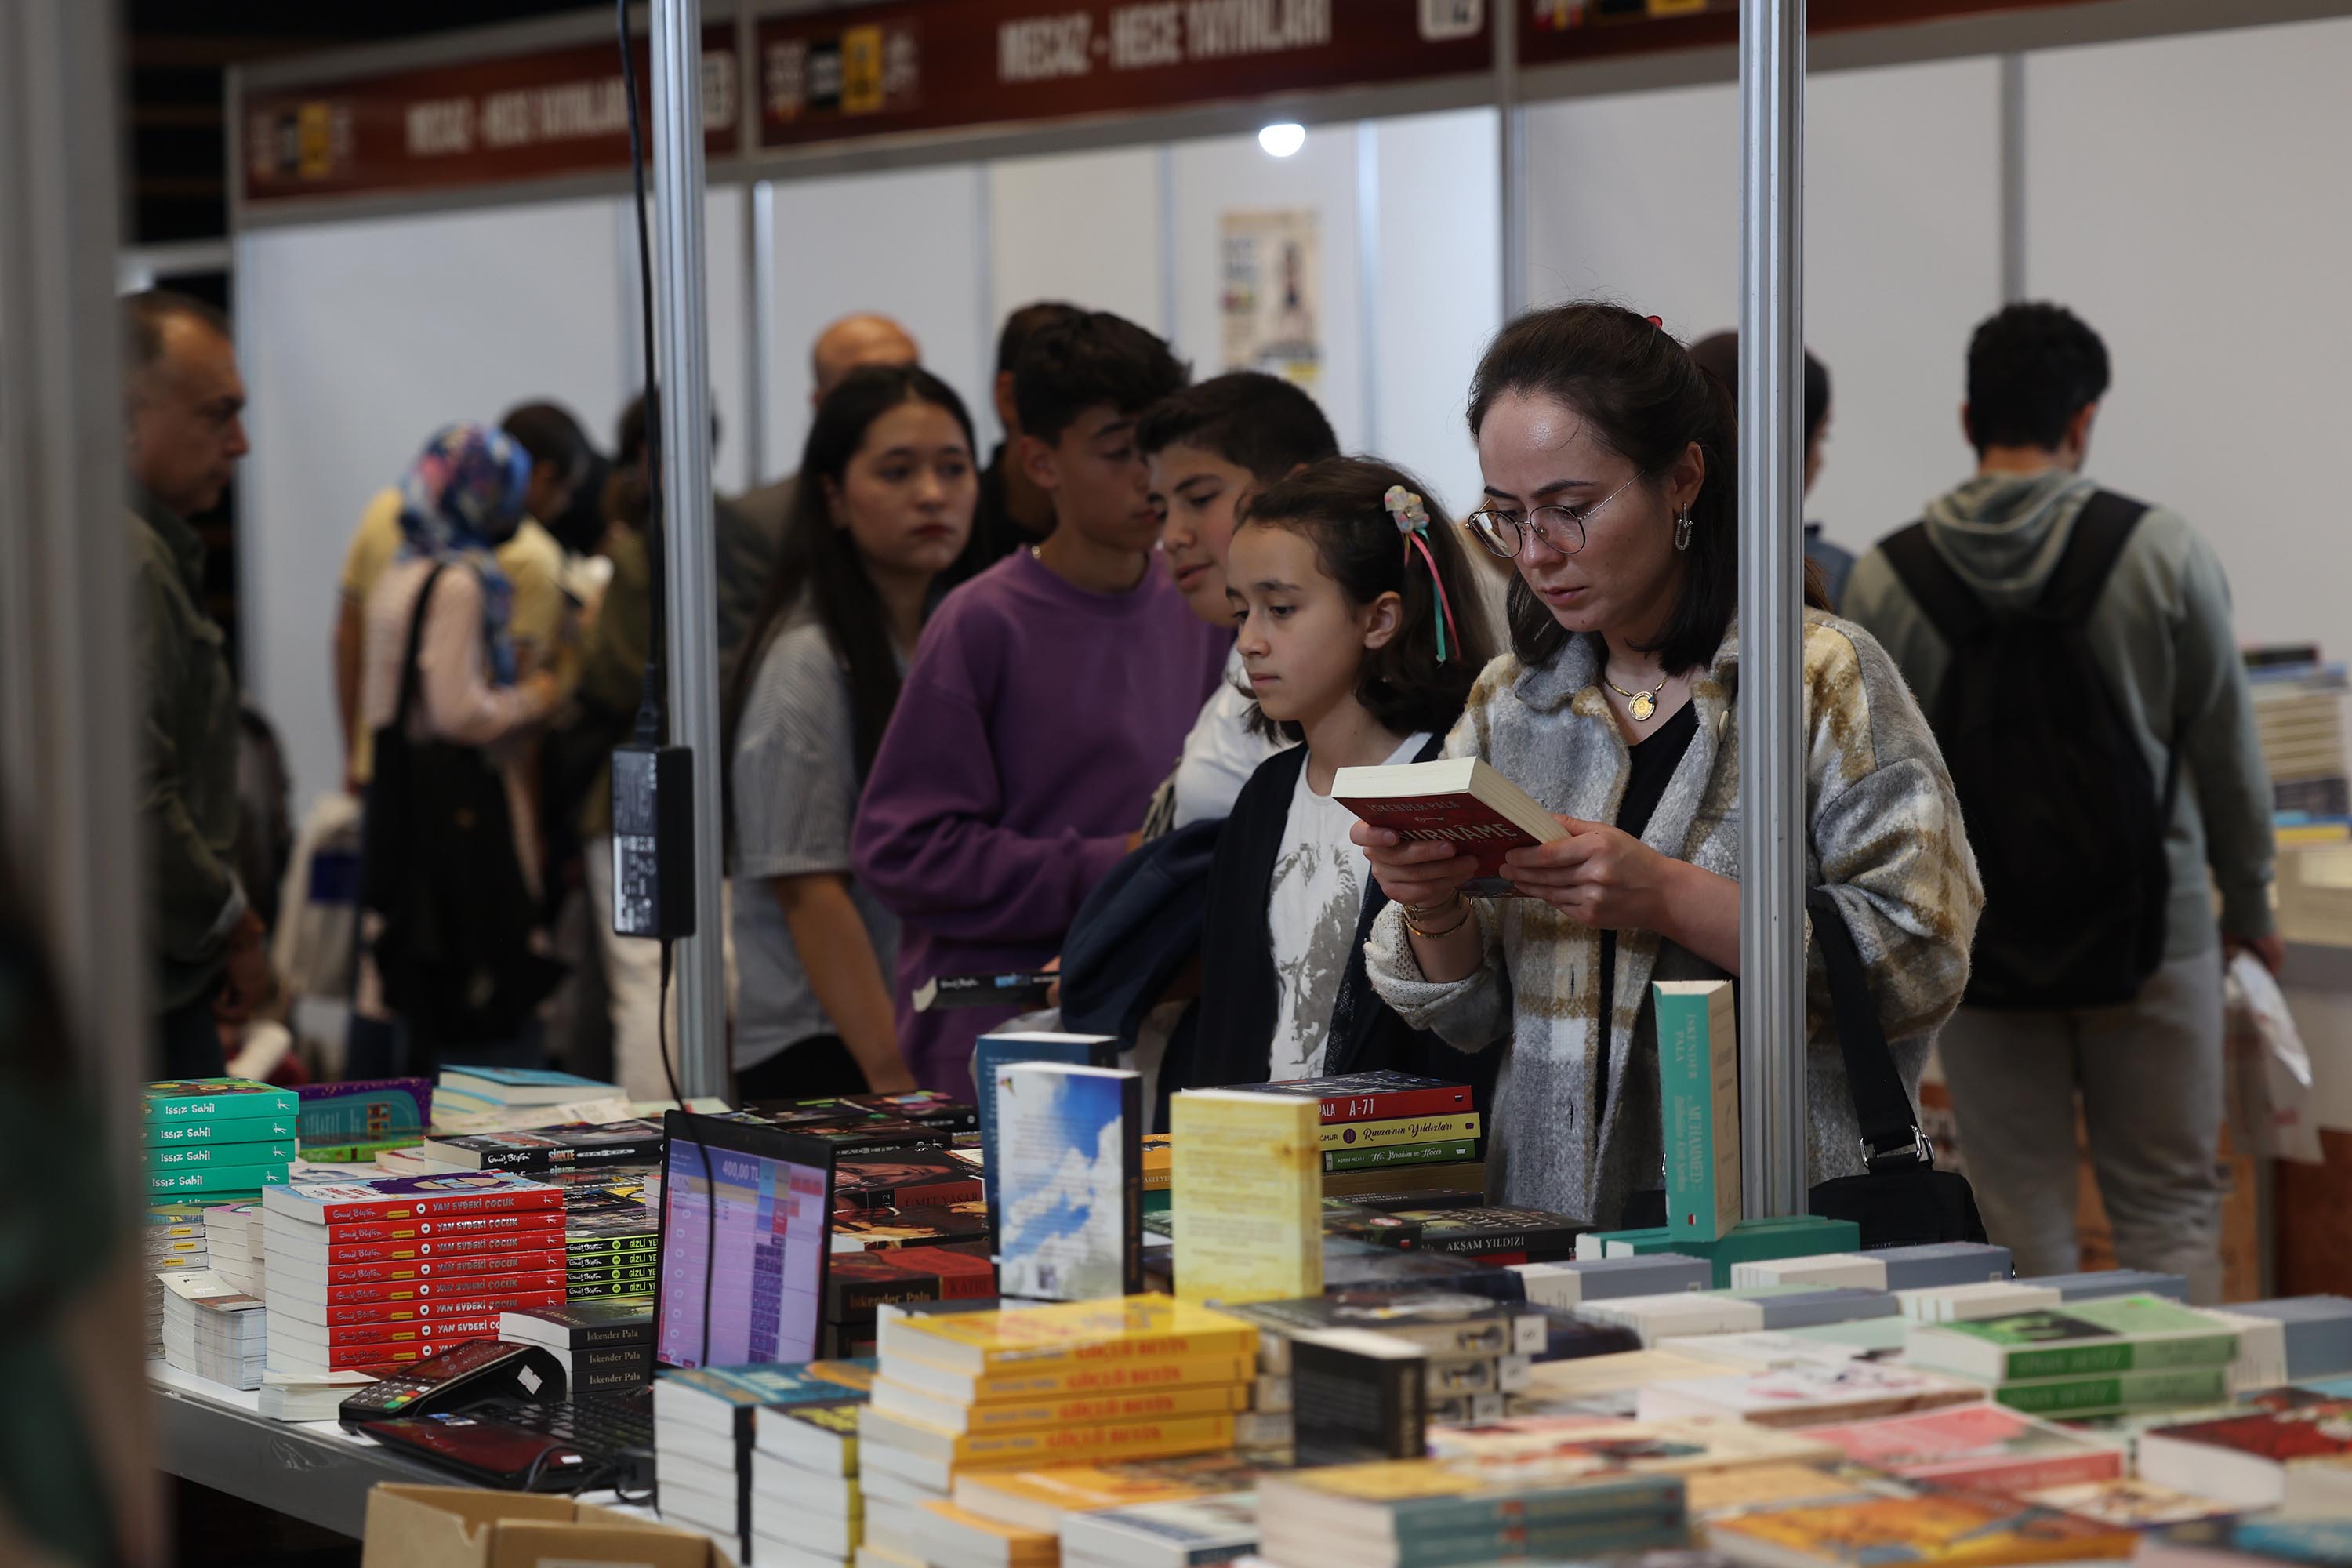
(1455, 800)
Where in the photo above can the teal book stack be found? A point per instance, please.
(210, 1138)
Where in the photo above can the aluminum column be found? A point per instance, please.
(1511, 162)
(1773, 829)
(682, 369)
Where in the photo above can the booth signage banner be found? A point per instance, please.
(526, 116)
(1553, 31)
(937, 65)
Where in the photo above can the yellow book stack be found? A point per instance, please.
(1142, 1378)
(1248, 1191)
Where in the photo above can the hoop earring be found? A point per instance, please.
(1683, 529)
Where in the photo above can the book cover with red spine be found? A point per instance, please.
(469, 1286)
(448, 1254)
(421, 1311)
(459, 1194)
(1462, 820)
(1377, 1096)
(343, 1232)
(912, 1178)
(311, 1342)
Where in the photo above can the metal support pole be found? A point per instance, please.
(1368, 272)
(760, 316)
(2012, 178)
(1511, 119)
(682, 359)
(1773, 829)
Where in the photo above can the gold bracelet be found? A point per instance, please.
(1415, 912)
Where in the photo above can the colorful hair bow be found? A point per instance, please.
(1412, 520)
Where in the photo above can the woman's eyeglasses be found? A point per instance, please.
(1561, 528)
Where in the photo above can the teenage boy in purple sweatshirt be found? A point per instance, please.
(1047, 698)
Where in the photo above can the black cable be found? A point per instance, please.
(652, 709)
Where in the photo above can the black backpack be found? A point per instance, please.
(2067, 822)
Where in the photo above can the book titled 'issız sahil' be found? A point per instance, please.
(1456, 800)
(1069, 1181)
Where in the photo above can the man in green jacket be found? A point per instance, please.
(2149, 1069)
(183, 403)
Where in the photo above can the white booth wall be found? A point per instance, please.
(359, 339)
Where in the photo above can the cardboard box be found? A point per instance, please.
(466, 1527)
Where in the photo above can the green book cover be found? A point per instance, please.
(2066, 1397)
(219, 1129)
(217, 1179)
(1699, 1088)
(2123, 1333)
(213, 1099)
(1749, 1241)
(202, 1156)
(1400, 1154)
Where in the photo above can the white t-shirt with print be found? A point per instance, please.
(1222, 751)
(1315, 903)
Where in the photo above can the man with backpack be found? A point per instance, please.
(2075, 651)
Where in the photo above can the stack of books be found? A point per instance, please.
(351, 1123)
(706, 1427)
(1393, 1132)
(215, 1137)
(213, 1329)
(542, 1151)
(1784, 1236)
(1808, 1393)
(606, 1346)
(859, 1285)
(1939, 1265)
(235, 1248)
(2299, 716)
(805, 1506)
(380, 1272)
(1428, 1513)
(1056, 1500)
(1982, 1445)
(1682, 1313)
(1483, 1232)
(1572, 1282)
(2086, 1358)
(492, 1099)
(1970, 1303)
(2296, 1456)
(960, 1391)
(1916, 1524)
(1177, 1534)
(175, 1243)
(925, 1108)
(612, 1242)
(311, 1396)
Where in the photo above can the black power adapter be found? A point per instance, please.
(652, 841)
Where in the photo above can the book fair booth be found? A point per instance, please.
(1355, 194)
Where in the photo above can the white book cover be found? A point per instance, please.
(1829, 1268)
(1069, 1181)
(1968, 1303)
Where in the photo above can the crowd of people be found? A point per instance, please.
(1083, 696)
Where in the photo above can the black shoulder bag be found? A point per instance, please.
(438, 865)
(1900, 1199)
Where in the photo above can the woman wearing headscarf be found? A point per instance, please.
(461, 499)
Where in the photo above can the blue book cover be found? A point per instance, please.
(1069, 1181)
(2099, 1284)
(2319, 1333)
(766, 1385)
(991, 1052)
(362, 1111)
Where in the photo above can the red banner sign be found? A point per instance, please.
(1552, 31)
(475, 122)
(933, 65)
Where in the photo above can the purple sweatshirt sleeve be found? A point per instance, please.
(928, 839)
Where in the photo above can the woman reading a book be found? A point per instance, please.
(887, 487)
(1607, 455)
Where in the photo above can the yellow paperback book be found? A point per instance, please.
(1049, 1445)
(1028, 1414)
(1066, 1380)
(1128, 1328)
(1247, 1196)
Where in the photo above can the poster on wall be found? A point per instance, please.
(1272, 292)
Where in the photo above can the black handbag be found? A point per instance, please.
(439, 869)
(1899, 1199)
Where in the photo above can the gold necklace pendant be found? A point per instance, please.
(1642, 707)
(1640, 704)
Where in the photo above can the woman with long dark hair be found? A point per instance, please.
(888, 485)
(1609, 485)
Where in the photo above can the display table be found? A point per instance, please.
(314, 1470)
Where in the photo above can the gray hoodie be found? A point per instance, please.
(2164, 639)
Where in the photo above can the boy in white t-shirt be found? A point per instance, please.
(1211, 448)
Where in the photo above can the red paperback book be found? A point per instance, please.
(1455, 800)
(417, 1312)
(450, 1250)
(466, 1285)
(1376, 1096)
(355, 1232)
(311, 1342)
(506, 1262)
(460, 1194)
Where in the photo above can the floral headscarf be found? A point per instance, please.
(460, 500)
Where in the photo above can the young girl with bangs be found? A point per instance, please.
(1359, 629)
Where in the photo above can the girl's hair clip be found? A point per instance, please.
(1656, 322)
(1410, 514)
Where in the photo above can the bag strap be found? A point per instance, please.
(408, 677)
(2101, 528)
(1958, 617)
(1881, 1107)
